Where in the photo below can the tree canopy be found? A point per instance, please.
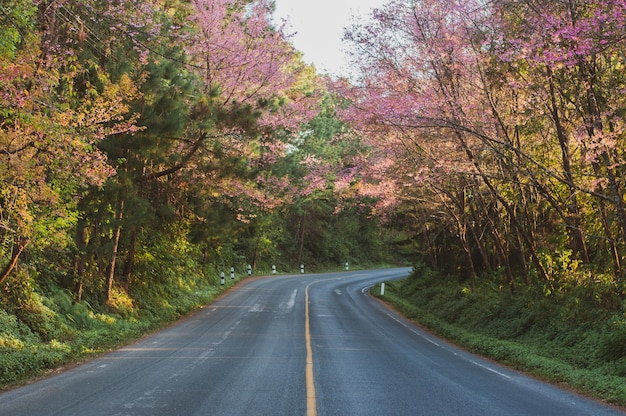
(502, 127)
(127, 127)
(488, 133)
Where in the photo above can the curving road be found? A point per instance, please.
(294, 345)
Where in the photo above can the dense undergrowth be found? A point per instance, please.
(575, 337)
(46, 328)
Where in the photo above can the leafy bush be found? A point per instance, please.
(13, 332)
(22, 353)
(612, 345)
(40, 332)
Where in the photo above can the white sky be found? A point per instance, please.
(319, 25)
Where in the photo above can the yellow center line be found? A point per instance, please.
(311, 401)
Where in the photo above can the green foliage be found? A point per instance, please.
(49, 331)
(570, 336)
(15, 23)
(145, 181)
(612, 345)
(14, 333)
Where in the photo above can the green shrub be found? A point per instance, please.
(612, 345)
(12, 329)
(619, 367)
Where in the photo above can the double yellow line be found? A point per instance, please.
(311, 401)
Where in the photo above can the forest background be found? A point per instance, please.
(146, 147)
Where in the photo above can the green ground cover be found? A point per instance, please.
(570, 338)
(52, 331)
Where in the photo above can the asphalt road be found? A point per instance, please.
(265, 350)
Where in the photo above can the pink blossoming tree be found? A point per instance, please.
(503, 115)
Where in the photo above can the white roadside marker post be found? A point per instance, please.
(249, 270)
(382, 289)
(273, 269)
(302, 268)
(222, 278)
(232, 272)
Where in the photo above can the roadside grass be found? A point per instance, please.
(582, 348)
(52, 331)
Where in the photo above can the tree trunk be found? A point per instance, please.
(129, 263)
(301, 238)
(618, 197)
(478, 234)
(461, 226)
(589, 76)
(613, 247)
(509, 209)
(432, 248)
(18, 248)
(574, 225)
(116, 242)
(497, 239)
(79, 261)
